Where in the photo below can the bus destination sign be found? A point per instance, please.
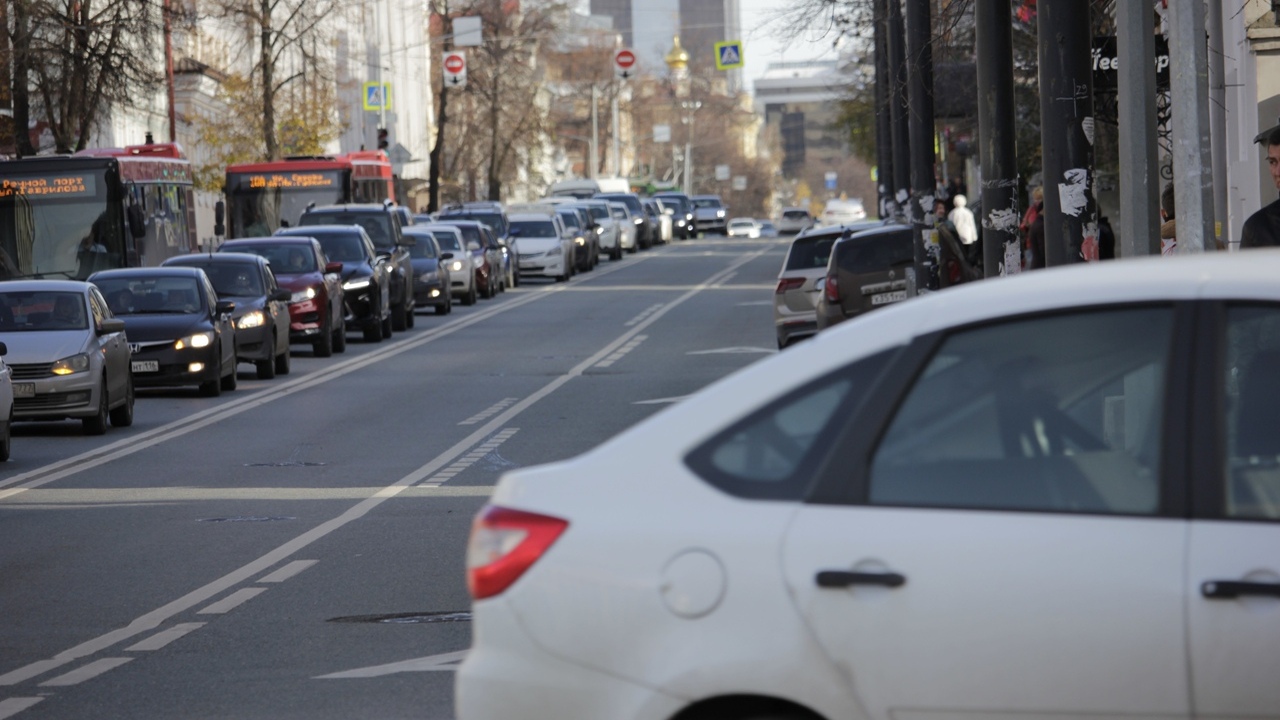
(291, 180)
(69, 186)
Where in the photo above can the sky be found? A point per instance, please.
(761, 43)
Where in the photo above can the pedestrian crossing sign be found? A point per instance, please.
(377, 96)
(728, 54)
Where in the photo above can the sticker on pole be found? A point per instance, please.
(377, 96)
(728, 54)
(624, 63)
(455, 69)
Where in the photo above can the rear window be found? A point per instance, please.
(875, 252)
(707, 202)
(810, 252)
(795, 214)
(376, 225)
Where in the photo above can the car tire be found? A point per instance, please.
(6, 438)
(214, 387)
(283, 362)
(410, 314)
(97, 424)
(399, 322)
(615, 253)
(229, 381)
(267, 367)
(340, 338)
(388, 327)
(123, 416)
(470, 298)
(324, 346)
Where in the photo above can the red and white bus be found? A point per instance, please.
(263, 197)
(71, 215)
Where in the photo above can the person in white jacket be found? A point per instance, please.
(966, 228)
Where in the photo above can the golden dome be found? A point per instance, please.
(678, 58)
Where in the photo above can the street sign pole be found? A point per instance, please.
(1192, 166)
(1139, 222)
(1001, 245)
(920, 128)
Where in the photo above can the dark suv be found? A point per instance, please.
(865, 270)
(366, 277)
(682, 215)
(383, 226)
(492, 214)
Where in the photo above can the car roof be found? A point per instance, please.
(45, 285)
(438, 226)
(290, 239)
(140, 272)
(309, 230)
(531, 217)
(227, 258)
(355, 208)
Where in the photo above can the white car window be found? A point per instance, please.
(1054, 413)
(1252, 385)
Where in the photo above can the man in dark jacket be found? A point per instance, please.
(1262, 229)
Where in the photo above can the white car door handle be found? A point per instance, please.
(846, 578)
(1232, 589)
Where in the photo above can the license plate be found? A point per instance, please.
(140, 366)
(24, 390)
(889, 297)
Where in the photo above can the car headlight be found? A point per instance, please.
(580, 240)
(456, 266)
(251, 319)
(553, 252)
(638, 221)
(303, 295)
(477, 262)
(599, 230)
(198, 340)
(74, 364)
(719, 213)
(356, 284)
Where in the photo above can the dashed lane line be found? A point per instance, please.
(469, 459)
(164, 637)
(622, 351)
(490, 411)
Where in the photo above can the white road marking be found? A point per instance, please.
(469, 459)
(13, 706)
(660, 401)
(153, 619)
(622, 351)
(489, 412)
(755, 303)
(164, 637)
(444, 662)
(232, 601)
(646, 313)
(287, 571)
(87, 672)
(733, 351)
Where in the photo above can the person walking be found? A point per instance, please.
(967, 230)
(1262, 229)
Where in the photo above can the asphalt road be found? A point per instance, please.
(294, 549)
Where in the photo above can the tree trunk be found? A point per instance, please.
(437, 150)
(495, 117)
(268, 84)
(22, 79)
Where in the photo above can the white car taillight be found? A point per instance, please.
(504, 544)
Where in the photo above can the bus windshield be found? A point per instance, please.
(261, 201)
(58, 223)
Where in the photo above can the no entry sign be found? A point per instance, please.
(624, 63)
(455, 69)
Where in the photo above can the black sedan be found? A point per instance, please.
(261, 314)
(366, 276)
(178, 330)
(431, 278)
(300, 266)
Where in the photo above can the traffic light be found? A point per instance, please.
(382, 139)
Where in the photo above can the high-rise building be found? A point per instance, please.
(648, 27)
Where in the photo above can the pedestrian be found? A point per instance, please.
(966, 229)
(1168, 228)
(1262, 229)
(1033, 231)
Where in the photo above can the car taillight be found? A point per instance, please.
(504, 544)
(831, 289)
(785, 284)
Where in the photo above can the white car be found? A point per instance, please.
(545, 246)
(627, 227)
(744, 227)
(794, 220)
(6, 405)
(842, 212)
(1055, 495)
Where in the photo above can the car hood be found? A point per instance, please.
(294, 282)
(161, 326)
(46, 346)
(350, 270)
(422, 265)
(534, 246)
(246, 304)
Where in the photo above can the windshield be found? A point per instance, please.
(376, 225)
(42, 310)
(707, 202)
(342, 247)
(534, 228)
(448, 241)
(151, 295)
(260, 201)
(471, 233)
(237, 279)
(675, 203)
(598, 212)
(795, 215)
(58, 224)
(424, 248)
(493, 220)
(570, 220)
(631, 201)
(618, 212)
(289, 259)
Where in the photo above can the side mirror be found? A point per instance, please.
(282, 295)
(110, 325)
(224, 307)
(4, 349)
(446, 256)
(332, 267)
(219, 218)
(137, 222)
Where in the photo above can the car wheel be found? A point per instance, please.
(373, 332)
(267, 367)
(340, 338)
(283, 362)
(399, 322)
(388, 326)
(470, 298)
(6, 438)
(97, 425)
(214, 387)
(229, 381)
(410, 314)
(324, 346)
(123, 416)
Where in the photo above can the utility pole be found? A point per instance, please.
(1218, 120)
(921, 130)
(1139, 229)
(1066, 131)
(593, 170)
(1189, 87)
(898, 108)
(617, 141)
(1001, 245)
(167, 12)
(884, 131)
(433, 172)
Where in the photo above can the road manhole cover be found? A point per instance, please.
(247, 518)
(406, 618)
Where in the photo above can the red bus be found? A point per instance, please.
(71, 215)
(263, 197)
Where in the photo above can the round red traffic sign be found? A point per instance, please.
(625, 59)
(454, 64)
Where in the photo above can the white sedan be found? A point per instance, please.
(1049, 496)
(744, 227)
